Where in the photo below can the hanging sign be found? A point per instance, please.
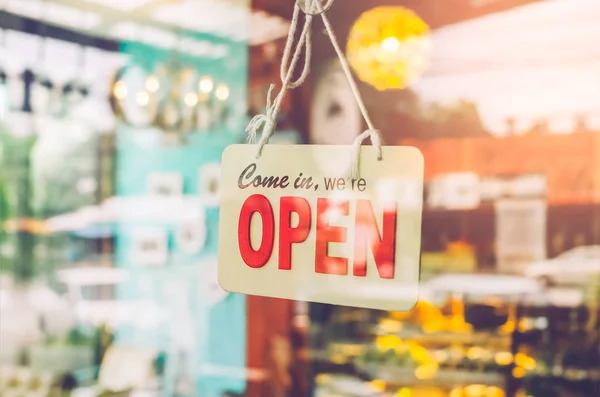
(293, 226)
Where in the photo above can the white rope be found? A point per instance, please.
(371, 132)
(268, 120)
(284, 68)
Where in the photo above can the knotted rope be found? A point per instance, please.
(268, 121)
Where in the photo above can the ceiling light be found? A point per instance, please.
(389, 47)
(391, 44)
(142, 98)
(206, 85)
(120, 90)
(191, 100)
(222, 93)
(152, 84)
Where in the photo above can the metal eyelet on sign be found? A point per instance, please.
(305, 6)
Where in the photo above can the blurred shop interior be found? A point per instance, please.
(113, 118)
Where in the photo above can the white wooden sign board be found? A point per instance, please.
(293, 226)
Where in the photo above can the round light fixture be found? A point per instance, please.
(388, 47)
(391, 44)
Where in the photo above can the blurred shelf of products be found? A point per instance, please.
(113, 118)
(510, 266)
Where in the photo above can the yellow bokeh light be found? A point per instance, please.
(339, 358)
(222, 93)
(518, 372)
(419, 353)
(191, 99)
(389, 325)
(456, 393)
(322, 379)
(152, 84)
(523, 360)
(503, 358)
(493, 391)
(120, 90)
(475, 390)
(475, 353)
(390, 44)
(378, 385)
(142, 98)
(388, 47)
(206, 85)
(387, 342)
(404, 392)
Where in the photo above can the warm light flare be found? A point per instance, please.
(120, 90)
(142, 98)
(390, 44)
(152, 84)
(389, 47)
(222, 93)
(191, 100)
(206, 85)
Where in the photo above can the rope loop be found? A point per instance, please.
(310, 9)
(267, 123)
(375, 135)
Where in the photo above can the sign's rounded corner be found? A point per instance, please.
(412, 305)
(416, 152)
(223, 284)
(227, 149)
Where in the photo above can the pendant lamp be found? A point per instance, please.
(388, 47)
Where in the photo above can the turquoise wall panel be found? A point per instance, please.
(212, 337)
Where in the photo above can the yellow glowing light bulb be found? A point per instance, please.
(152, 84)
(120, 90)
(222, 93)
(206, 85)
(191, 100)
(503, 358)
(475, 390)
(389, 47)
(493, 391)
(390, 44)
(518, 372)
(475, 353)
(523, 360)
(142, 98)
